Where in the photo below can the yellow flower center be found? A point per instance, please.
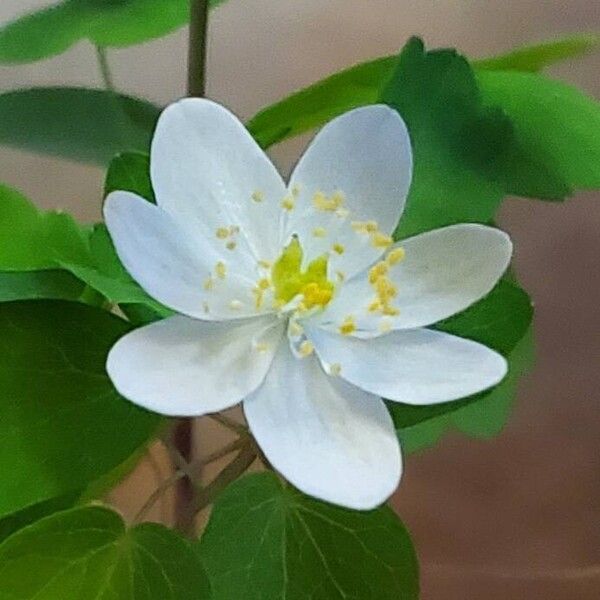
(289, 280)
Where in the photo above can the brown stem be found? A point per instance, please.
(185, 491)
(237, 467)
(197, 48)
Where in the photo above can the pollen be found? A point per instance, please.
(365, 226)
(328, 204)
(258, 196)
(348, 325)
(221, 270)
(288, 203)
(231, 245)
(209, 283)
(315, 295)
(380, 240)
(222, 233)
(335, 369)
(319, 232)
(395, 256)
(306, 348)
(377, 271)
(264, 284)
(338, 248)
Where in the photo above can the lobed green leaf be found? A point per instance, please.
(62, 424)
(88, 553)
(266, 540)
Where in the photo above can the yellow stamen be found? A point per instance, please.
(348, 325)
(261, 346)
(335, 369)
(319, 232)
(306, 349)
(331, 204)
(258, 196)
(339, 248)
(222, 233)
(295, 190)
(380, 240)
(288, 203)
(221, 270)
(378, 270)
(395, 256)
(231, 245)
(209, 283)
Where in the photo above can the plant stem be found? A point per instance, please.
(197, 48)
(185, 492)
(105, 68)
(156, 495)
(238, 466)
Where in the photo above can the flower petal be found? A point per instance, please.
(173, 265)
(413, 366)
(184, 367)
(444, 271)
(329, 439)
(205, 169)
(366, 155)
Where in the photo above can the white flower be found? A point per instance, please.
(293, 299)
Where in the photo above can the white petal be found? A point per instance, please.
(184, 367)
(366, 155)
(172, 264)
(413, 366)
(443, 273)
(329, 439)
(205, 169)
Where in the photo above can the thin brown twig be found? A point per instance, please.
(229, 423)
(156, 495)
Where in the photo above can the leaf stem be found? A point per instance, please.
(156, 495)
(197, 48)
(229, 423)
(105, 71)
(237, 467)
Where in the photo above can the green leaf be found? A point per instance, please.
(80, 124)
(500, 321)
(446, 135)
(88, 553)
(130, 172)
(62, 424)
(266, 540)
(31, 240)
(554, 122)
(32, 285)
(538, 56)
(18, 520)
(56, 28)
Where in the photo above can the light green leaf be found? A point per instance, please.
(536, 57)
(88, 553)
(266, 540)
(32, 285)
(31, 240)
(130, 172)
(56, 28)
(62, 424)
(553, 121)
(80, 124)
(500, 321)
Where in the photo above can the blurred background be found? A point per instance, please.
(516, 517)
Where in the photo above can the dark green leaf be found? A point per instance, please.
(62, 424)
(266, 540)
(88, 553)
(130, 172)
(31, 240)
(436, 94)
(500, 321)
(538, 56)
(32, 285)
(84, 125)
(18, 520)
(54, 29)
(555, 123)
